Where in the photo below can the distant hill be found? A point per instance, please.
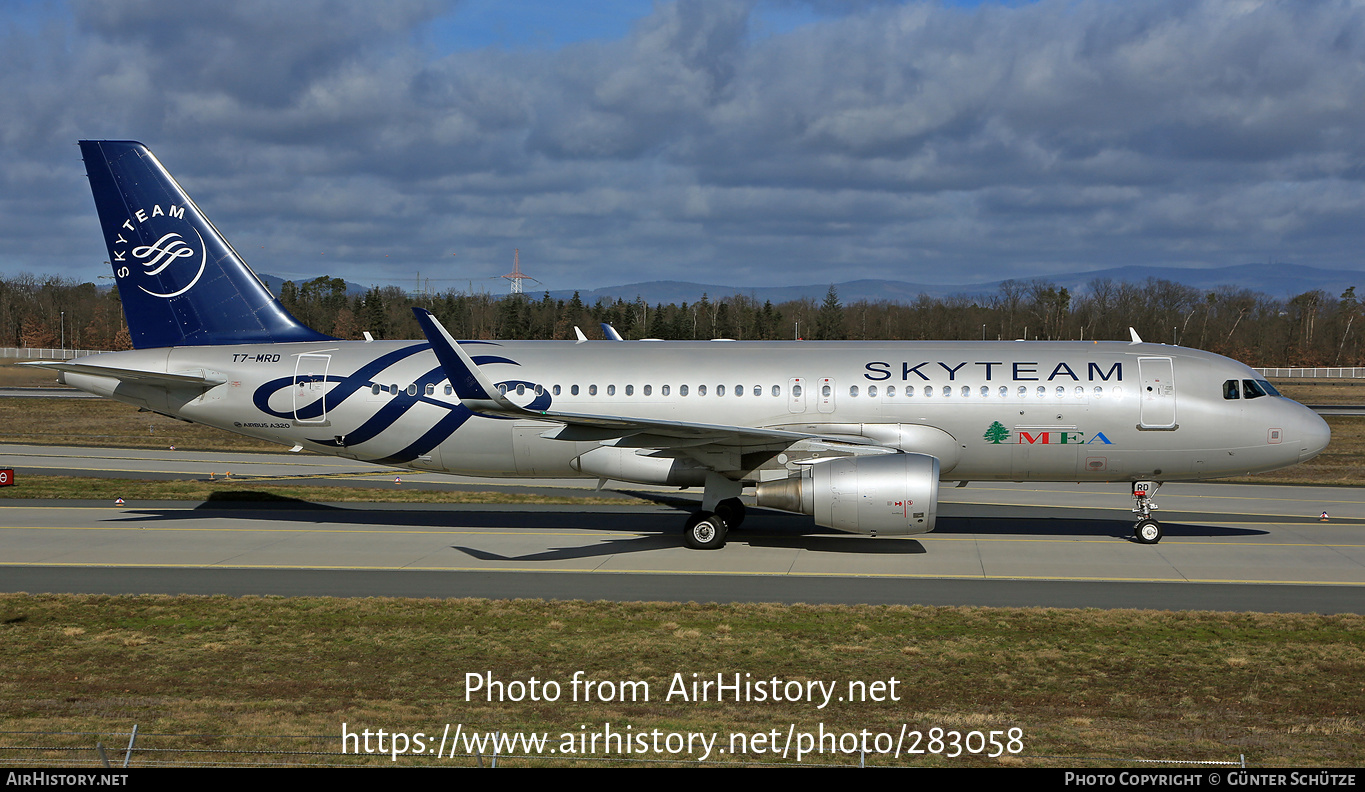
(1275, 280)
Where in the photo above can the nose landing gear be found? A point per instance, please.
(1147, 530)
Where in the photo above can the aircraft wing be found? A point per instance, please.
(480, 395)
(197, 378)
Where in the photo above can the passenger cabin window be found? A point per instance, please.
(573, 390)
(664, 390)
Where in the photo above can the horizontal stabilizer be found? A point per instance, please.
(190, 379)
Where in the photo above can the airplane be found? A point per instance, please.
(857, 435)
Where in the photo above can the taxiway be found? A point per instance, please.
(1227, 547)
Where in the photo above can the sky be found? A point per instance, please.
(734, 142)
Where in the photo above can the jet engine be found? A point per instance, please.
(892, 494)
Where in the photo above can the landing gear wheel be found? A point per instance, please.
(704, 531)
(1147, 531)
(731, 511)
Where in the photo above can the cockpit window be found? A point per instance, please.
(1253, 388)
(1230, 390)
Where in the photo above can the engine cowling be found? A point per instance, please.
(892, 495)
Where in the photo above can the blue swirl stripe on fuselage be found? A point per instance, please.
(394, 409)
(345, 386)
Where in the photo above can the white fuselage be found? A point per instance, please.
(1043, 411)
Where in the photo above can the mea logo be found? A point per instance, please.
(160, 255)
(998, 434)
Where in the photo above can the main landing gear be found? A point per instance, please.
(721, 510)
(1147, 530)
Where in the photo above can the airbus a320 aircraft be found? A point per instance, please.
(856, 434)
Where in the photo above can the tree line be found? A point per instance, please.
(1310, 329)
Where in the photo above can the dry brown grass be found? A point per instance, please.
(1285, 690)
(1310, 391)
(104, 423)
(13, 375)
(236, 489)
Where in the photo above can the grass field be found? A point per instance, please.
(1282, 690)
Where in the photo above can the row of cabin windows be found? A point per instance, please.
(1003, 392)
(909, 391)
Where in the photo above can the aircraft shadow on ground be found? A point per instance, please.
(1077, 528)
(764, 528)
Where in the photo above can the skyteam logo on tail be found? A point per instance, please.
(161, 255)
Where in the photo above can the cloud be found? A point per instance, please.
(876, 139)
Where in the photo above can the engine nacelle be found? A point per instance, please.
(892, 494)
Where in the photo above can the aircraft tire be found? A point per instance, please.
(731, 511)
(704, 531)
(1147, 531)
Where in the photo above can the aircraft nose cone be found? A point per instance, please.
(1314, 434)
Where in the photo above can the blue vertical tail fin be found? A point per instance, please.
(181, 282)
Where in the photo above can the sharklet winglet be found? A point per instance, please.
(475, 390)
